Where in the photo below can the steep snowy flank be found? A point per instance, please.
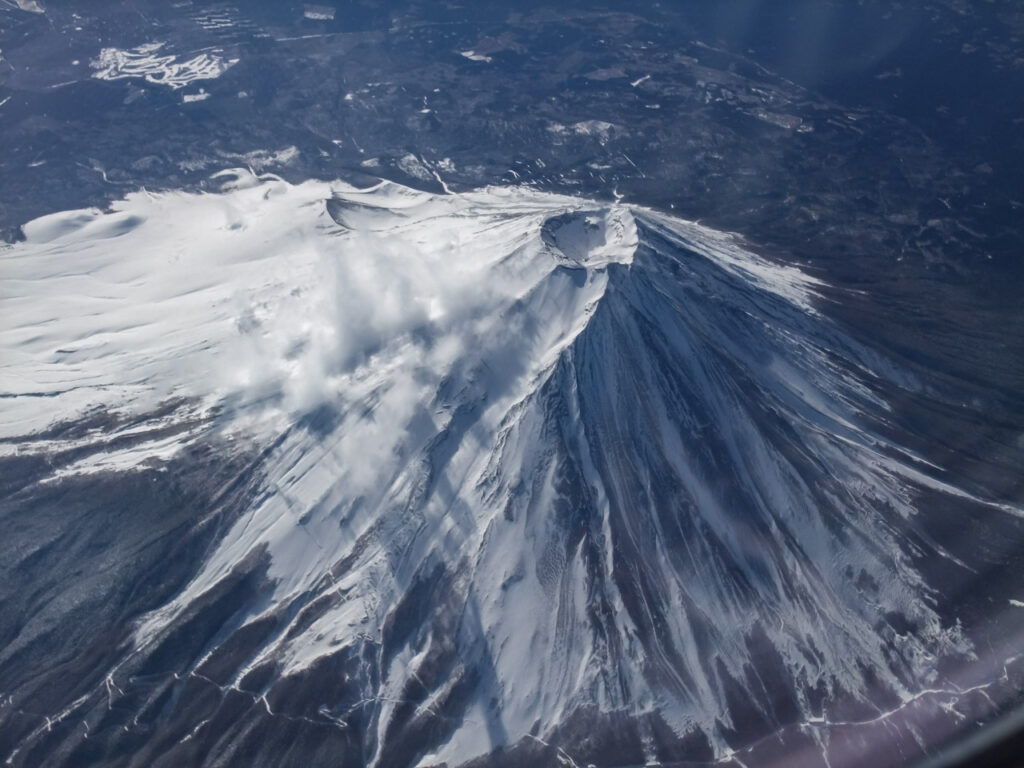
(532, 467)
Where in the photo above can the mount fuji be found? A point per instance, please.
(324, 475)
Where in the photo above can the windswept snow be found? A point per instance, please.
(259, 294)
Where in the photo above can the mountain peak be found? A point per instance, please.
(592, 238)
(524, 465)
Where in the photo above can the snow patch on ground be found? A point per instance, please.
(31, 6)
(146, 62)
(319, 12)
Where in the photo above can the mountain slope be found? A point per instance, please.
(502, 476)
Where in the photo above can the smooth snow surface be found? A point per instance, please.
(607, 427)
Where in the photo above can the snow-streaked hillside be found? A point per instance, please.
(530, 473)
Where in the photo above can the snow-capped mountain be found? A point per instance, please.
(378, 477)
